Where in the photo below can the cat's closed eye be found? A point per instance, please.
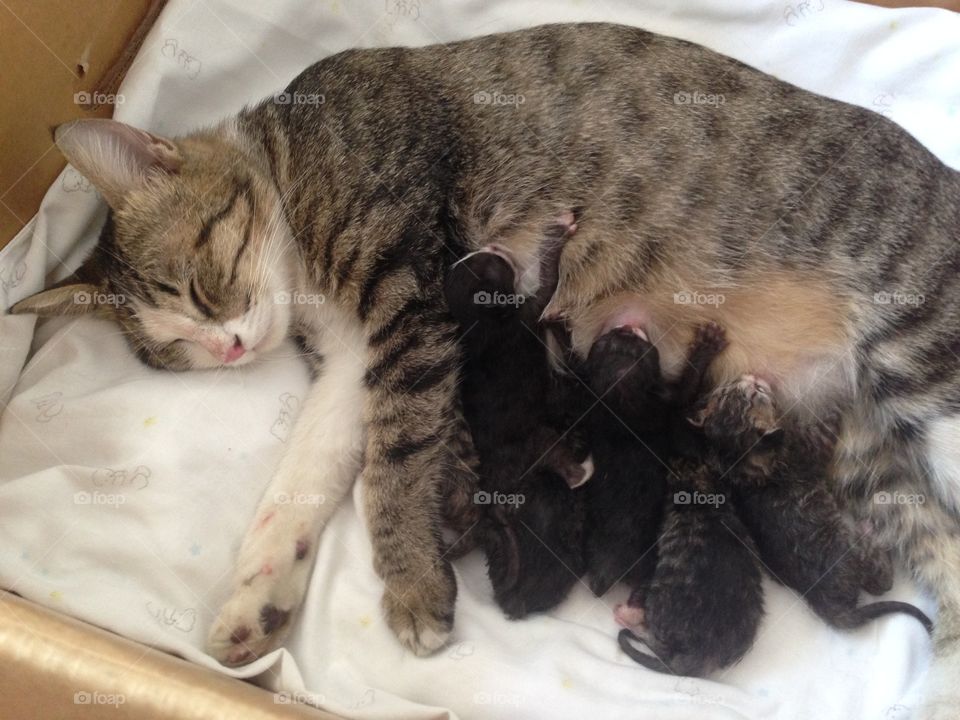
(200, 299)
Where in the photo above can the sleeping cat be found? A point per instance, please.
(796, 209)
(778, 475)
(531, 525)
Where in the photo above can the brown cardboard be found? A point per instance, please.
(49, 51)
(56, 667)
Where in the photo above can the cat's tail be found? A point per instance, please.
(858, 617)
(648, 661)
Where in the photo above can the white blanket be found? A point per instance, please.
(124, 491)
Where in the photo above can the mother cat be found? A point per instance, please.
(705, 189)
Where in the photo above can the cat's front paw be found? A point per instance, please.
(272, 578)
(420, 611)
(248, 627)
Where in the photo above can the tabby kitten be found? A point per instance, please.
(799, 210)
(778, 478)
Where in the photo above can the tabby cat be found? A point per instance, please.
(802, 225)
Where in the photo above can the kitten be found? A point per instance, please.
(701, 609)
(531, 527)
(630, 430)
(697, 588)
(803, 537)
(802, 209)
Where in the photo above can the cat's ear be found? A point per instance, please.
(77, 294)
(115, 157)
(67, 299)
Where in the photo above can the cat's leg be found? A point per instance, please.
(906, 506)
(461, 513)
(929, 542)
(411, 381)
(276, 557)
(934, 557)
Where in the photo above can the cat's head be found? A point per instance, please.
(741, 417)
(193, 261)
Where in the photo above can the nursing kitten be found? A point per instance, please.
(532, 522)
(701, 609)
(630, 428)
(798, 209)
(782, 497)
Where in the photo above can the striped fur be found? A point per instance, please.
(800, 211)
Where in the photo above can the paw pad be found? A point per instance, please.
(272, 618)
(302, 548)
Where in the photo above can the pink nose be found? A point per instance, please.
(236, 352)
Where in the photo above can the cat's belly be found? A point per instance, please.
(794, 332)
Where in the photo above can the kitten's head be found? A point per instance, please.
(740, 418)
(481, 288)
(193, 259)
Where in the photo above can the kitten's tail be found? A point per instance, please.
(858, 617)
(648, 661)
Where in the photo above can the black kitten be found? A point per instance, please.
(630, 434)
(531, 527)
(803, 536)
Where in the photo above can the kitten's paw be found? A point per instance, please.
(629, 616)
(711, 337)
(420, 613)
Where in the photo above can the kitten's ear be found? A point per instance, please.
(698, 418)
(69, 298)
(115, 157)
